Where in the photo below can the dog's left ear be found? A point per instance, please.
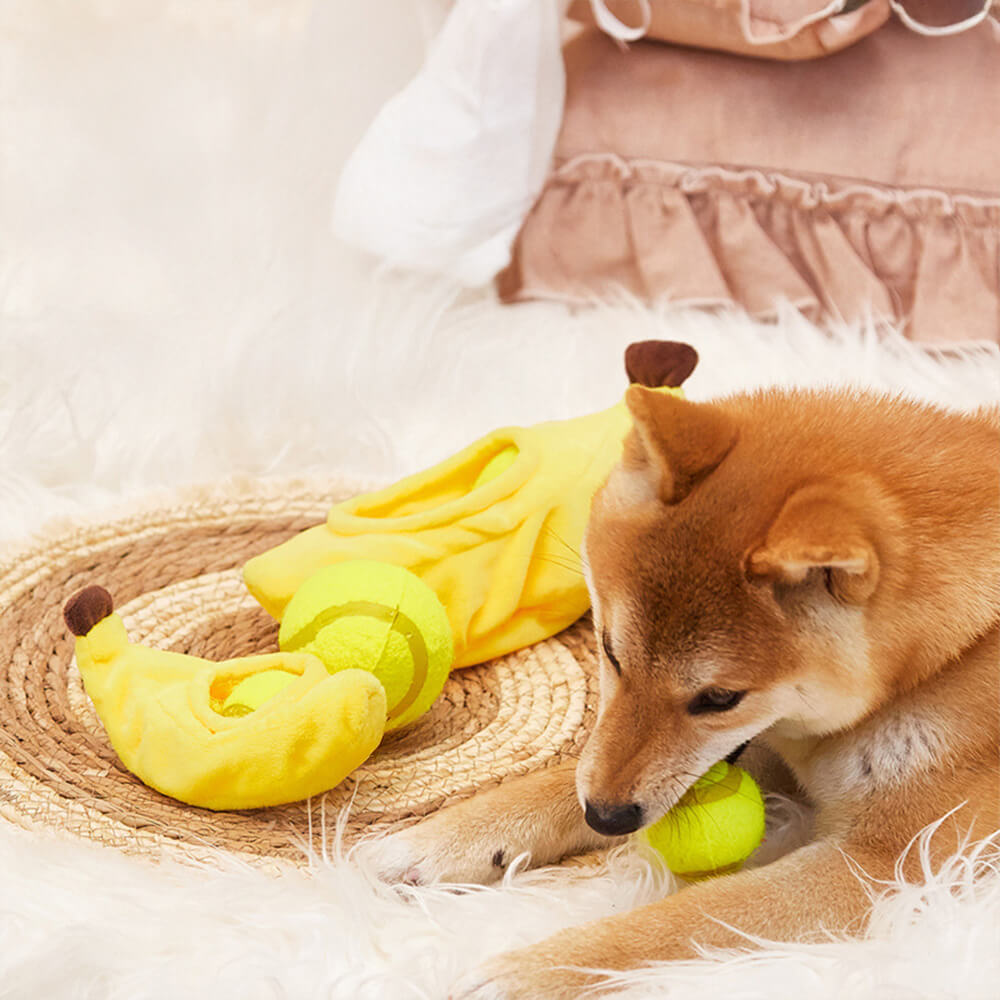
(675, 443)
(830, 526)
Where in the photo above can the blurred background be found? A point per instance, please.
(174, 306)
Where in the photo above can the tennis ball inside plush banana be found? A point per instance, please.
(253, 691)
(379, 617)
(714, 828)
(500, 462)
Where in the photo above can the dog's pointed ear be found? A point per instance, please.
(826, 526)
(675, 442)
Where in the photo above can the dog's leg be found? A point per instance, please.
(475, 840)
(811, 891)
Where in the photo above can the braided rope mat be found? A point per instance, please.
(174, 573)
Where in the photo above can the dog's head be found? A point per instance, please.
(730, 573)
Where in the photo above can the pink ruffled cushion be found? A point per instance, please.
(695, 176)
(711, 236)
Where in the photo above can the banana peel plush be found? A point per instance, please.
(161, 711)
(495, 531)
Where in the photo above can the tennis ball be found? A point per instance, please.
(377, 617)
(714, 828)
(500, 462)
(253, 691)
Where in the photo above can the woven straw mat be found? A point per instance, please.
(174, 572)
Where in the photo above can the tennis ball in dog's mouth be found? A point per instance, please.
(253, 691)
(378, 617)
(714, 828)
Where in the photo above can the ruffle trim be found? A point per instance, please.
(927, 260)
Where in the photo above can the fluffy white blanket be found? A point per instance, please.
(174, 310)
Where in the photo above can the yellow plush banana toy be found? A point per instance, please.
(163, 715)
(495, 531)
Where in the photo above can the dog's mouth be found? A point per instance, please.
(618, 820)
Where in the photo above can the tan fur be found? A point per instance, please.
(835, 555)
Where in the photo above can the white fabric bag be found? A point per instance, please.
(451, 165)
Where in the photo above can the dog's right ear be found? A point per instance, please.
(830, 526)
(675, 443)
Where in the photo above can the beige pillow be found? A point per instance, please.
(775, 29)
(864, 183)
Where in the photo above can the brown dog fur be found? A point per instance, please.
(834, 555)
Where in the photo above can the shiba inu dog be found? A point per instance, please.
(818, 572)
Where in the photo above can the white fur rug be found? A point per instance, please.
(174, 311)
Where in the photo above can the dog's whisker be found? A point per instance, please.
(562, 541)
(561, 563)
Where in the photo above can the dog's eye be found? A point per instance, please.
(612, 659)
(714, 700)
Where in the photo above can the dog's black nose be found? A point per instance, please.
(613, 820)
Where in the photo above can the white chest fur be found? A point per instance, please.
(886, 750)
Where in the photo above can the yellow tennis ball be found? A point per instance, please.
(253, 691)
(714, 828)
(377, 617)
(500, 462)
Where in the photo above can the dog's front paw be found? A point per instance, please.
(448, 847)
(519, 975)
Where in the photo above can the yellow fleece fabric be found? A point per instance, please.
(503, 557)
